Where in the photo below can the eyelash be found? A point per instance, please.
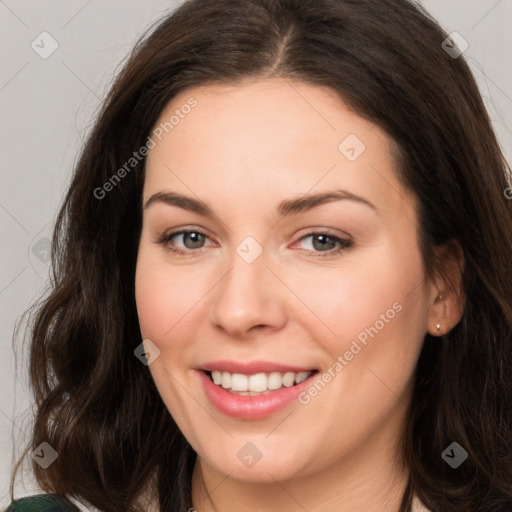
(343, 244)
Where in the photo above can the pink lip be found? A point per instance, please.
(251, 407)
(250, 368)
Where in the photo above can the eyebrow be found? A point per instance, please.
(285, 208)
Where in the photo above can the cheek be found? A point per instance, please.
(344, 301)
(376, 313)
(164, 298)
(172, 309)
(164, 295)
(154, 302)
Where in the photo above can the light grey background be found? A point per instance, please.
(47, 106)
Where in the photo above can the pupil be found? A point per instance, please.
(196, 240)
(324, 239)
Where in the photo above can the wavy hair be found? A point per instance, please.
(97, 405)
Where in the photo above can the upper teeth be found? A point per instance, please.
(258, 382)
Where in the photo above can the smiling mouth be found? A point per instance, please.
(259, 383)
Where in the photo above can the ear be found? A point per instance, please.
(446, 300)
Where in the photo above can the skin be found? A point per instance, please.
(243, 149)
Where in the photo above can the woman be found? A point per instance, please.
(282, 274)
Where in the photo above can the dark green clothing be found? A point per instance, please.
(42, 503)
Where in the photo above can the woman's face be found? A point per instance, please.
(300, 255)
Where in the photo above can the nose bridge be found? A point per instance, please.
(246, 296)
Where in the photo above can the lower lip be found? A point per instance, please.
(251, 407)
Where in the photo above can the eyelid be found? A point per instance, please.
(335, 233)
(345, 242)
(164, 241)
(185, 229)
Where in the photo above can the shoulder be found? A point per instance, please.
(42, 503)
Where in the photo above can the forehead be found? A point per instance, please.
(269, 135)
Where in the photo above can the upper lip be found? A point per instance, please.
(252, 367)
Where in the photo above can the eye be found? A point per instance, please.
(325, 244)
(321, 244)
(189, 239)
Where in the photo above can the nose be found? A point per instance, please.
(249, 299)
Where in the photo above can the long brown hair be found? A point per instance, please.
(97, 405)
